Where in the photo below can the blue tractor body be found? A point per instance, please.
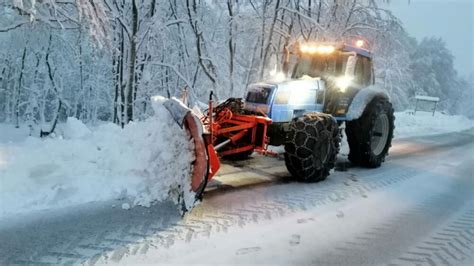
(284, 101)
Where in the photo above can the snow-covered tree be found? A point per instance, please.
(433, 72)
(104, 59)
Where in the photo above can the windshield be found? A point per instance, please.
(259, 95)
(321, 65)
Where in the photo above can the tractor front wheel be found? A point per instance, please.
(311, 146)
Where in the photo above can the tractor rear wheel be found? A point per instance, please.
(311, 146)
(370, 136)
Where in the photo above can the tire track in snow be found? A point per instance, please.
(250, 206)
(228, 207)
(447, 233)
(215, 215)
(451, 244)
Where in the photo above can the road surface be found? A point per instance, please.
(418, 208)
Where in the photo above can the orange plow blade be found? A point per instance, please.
(214, 163)
(206, 163)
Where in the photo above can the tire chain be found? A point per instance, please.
(314, 127)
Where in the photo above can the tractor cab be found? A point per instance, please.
(325, 78)
(334, 63)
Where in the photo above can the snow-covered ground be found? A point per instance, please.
(415, 209)
(137, 164)
(424, 124)
(8, 133)
(410, 211)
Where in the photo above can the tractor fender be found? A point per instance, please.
(362, 99)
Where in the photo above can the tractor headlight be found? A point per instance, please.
(277, 76)
(342, 83)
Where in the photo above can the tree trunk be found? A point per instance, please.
(230, 7)
(55, 89)
(270, 37)
(81, 68)
(121, 78)
(116, 73)
(209, 68)
(18, 94)
(319, 11)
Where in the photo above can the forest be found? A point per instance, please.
(103, 60)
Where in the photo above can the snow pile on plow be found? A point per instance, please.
(146, 162)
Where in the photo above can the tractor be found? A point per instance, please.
(304, 109)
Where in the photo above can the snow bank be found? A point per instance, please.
(74, 129)
(8, 133)
(424, 123)
(143, 163)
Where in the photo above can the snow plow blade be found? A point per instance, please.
(206, 162)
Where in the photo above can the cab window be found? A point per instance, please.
(363, 71)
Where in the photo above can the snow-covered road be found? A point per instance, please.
(418, 208)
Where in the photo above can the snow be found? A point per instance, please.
(350, 230)
(408, 124)
(289, 240)
(8, 133)
(137, 164)
(75, 129)
(302, 236)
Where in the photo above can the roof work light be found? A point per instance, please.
(317, 49)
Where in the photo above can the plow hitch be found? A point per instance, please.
(225, 131)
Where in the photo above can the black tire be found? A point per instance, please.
(311, 146)
(370, 136)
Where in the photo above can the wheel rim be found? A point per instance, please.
(324, 149)
(379, 134)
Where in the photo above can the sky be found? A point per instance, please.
(451, 20)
